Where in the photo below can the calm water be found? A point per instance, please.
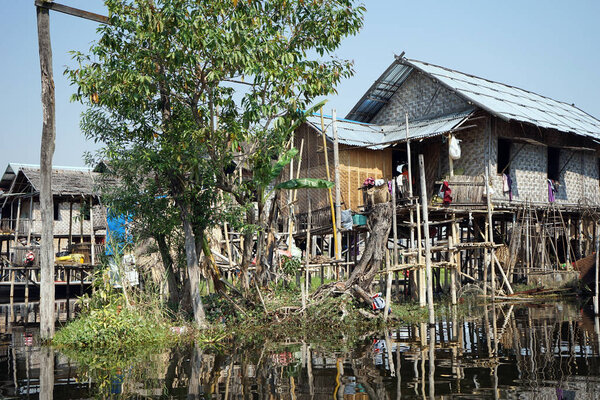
(541, 351)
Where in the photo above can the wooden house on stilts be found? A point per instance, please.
(539, 156)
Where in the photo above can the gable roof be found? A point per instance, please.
(504, 101)
(65, 182)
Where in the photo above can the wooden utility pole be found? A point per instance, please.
(46, 154)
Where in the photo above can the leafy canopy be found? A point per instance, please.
(187, 92)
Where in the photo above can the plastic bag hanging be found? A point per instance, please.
(454, 148)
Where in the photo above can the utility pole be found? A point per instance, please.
(46, 153)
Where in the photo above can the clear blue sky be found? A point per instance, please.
(549, 47)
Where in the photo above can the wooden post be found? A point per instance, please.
(452, 240)
(596, 293)
(46, 154)
(289, 201)
(16, 237)
(388, 288)
(92, 234)
(68, 289)
(70, 225)
(12, 294)
(30, 220)
(338, 195)
(81, 201)
(418, 276)
(388, 285)
(27, 272)
(329, 189)
(450, 160)
(420, 270)
(307, 260)
(490, 234)
(427, 242)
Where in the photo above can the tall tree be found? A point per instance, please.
(202, 89)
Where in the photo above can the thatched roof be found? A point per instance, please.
(65, 182)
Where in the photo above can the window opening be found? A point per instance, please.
(503, 164)
(553, 163)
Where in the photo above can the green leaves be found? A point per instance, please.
(178, 91)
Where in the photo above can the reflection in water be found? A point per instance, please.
(527, 351)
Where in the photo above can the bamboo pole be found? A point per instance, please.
(420, 261)
(329, 189)
(491, 233)
(452, 257)
(388, 289)
(12, 294)
(30, 220)
(427, 242)
(294, 196)
(307, 252)
(289, 200)
(338, 195)
(597, 270)
(92, 233)
(16, 237)
(81, 220)
(70, 225)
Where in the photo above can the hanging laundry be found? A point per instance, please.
(446, 192)
(551, 197)
(507, 185)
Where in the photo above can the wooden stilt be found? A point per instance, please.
(307, 252)
(427, 243)
(92, 234)
(12, 295)
(452, 238)
(70, 225)
(68, 290)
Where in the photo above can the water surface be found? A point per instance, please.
(524, 351)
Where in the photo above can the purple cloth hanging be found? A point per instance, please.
(550, 191)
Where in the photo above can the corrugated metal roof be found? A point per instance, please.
(379, 93)
(350, 133)
(504, 101)
(378, 137)
(421, 129)
(511, 103)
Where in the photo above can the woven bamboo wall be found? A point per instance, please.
(356, 165)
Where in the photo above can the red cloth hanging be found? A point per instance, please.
(447, 193)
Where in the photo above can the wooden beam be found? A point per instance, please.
(71, 11)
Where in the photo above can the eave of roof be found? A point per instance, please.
(377, 137)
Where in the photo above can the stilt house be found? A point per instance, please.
(540, 157)
(79, 220)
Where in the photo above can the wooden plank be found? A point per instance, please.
(72, 11)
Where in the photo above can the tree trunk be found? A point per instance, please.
(165, 254)
(193, 267)
(46, 154)
(379, 224)
(247, 251)
(267, 242)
